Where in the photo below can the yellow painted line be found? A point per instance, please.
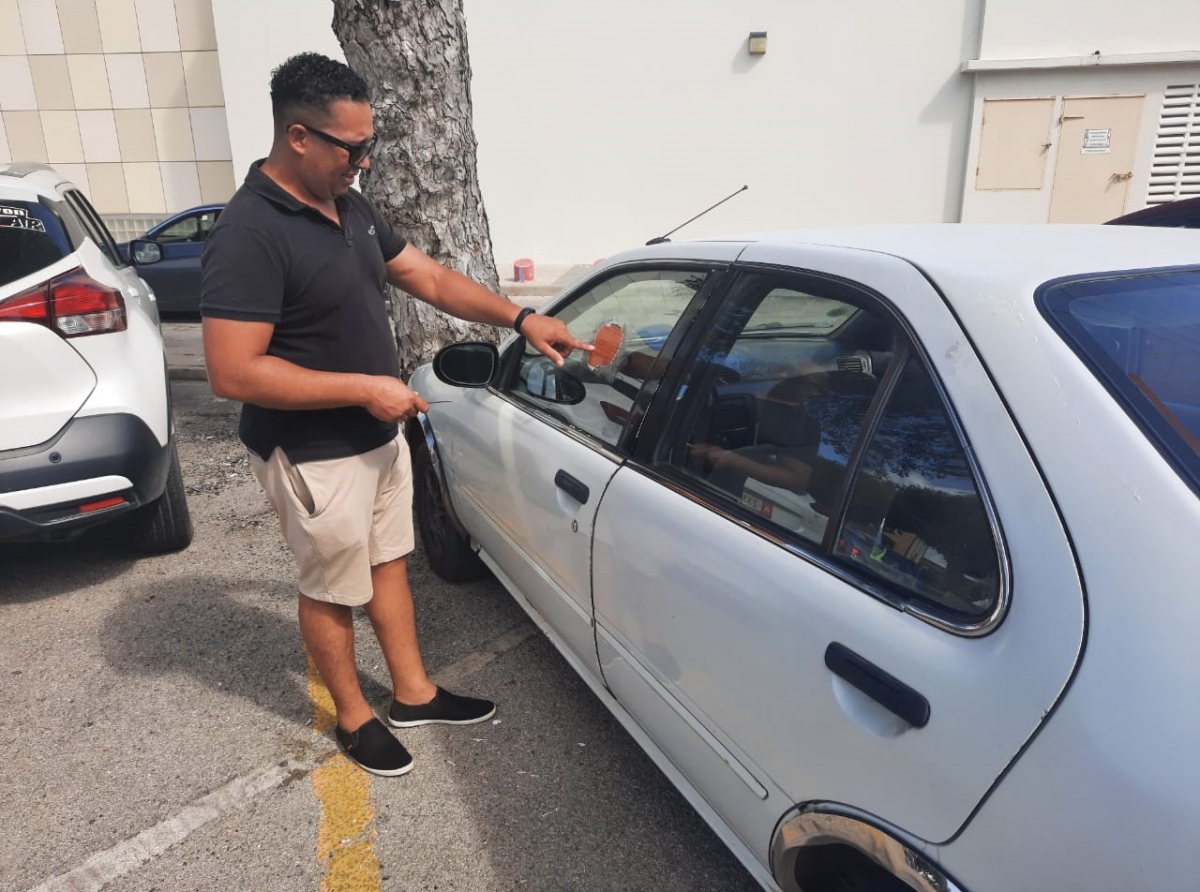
(346, 833)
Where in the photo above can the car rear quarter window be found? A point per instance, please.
(915, 518)
(1140, 335)
(31, 238)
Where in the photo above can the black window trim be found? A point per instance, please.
(908, 346)
(1054, 308)
(619, 452)
(95, 226)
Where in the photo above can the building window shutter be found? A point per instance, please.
(1175, 172)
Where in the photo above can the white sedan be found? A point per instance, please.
(879, 541)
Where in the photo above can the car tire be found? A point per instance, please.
(448, 553)
(165, 524)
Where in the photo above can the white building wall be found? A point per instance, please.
(1024, 29)
(254, 36)
(602, 125)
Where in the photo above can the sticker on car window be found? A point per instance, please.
(607, 343)
(18, 218)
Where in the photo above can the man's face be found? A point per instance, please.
(325, 167)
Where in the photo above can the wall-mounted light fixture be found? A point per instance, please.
(758, 43)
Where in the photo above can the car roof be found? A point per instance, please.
(960, 257)
(24, 179)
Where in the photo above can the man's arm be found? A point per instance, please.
(451, 292)
(240, 369)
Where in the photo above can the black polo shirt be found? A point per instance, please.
(273, 258)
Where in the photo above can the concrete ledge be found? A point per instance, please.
(186, 372)
(1095, 60)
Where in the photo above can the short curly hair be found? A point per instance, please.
(304, 86)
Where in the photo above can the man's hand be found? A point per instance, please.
(551, 337)
(390, 399)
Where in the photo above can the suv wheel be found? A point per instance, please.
(165, 524)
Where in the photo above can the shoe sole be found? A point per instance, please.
(379, 772)
(419, 722)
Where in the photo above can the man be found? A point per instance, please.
(296, 328)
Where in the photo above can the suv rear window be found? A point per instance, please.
(31, 238)
(1140, 334)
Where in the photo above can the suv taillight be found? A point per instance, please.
(74, 304)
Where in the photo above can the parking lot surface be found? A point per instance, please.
(162, 729)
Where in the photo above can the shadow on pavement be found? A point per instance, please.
(210, 628)
(31, 571)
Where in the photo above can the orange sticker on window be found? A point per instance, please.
(607, 342)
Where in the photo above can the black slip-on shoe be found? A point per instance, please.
(444, 709)
(373, 748)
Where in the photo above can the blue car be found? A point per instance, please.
(168, 257)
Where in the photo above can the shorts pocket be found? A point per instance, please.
(297, 483)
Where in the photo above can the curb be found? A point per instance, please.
(186, 373)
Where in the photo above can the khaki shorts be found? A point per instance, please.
(342, 516)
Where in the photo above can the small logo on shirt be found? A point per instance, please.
(371, 231)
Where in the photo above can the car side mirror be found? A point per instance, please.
(470, 364)
(144, 251)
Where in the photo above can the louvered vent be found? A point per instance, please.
(1176, 169)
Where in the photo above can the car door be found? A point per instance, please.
(176, 278)
(831, 571)
(529, 460)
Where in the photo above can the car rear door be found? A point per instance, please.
(529, 461)
(869, 602)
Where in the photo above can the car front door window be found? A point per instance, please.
(185, 230)
(629, 317)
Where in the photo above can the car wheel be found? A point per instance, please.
(448, 553)
(165, 524)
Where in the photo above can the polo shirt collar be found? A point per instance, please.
(259, 182)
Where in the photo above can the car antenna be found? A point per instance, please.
(664, 238)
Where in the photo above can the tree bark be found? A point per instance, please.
(423, 177)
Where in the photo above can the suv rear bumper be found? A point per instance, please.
(118, 445)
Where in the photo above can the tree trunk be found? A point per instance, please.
(423, 177)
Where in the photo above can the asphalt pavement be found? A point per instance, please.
(163, 730)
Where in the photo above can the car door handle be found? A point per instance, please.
(887, 690)
(572, 487)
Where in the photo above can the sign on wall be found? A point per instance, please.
(1096, 142)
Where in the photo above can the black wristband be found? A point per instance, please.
(525, 311)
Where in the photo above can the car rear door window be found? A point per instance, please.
(94, 226)
(780, 392)
(807, 414)
(628, 317)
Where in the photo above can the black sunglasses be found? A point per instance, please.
(358, 153)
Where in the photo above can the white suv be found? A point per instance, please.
(86, 434)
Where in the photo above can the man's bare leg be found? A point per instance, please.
(328, 631)
(395, 622)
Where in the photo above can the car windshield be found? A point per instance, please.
(31, 239)
(1141, 334)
